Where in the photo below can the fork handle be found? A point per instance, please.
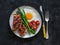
(47, 35)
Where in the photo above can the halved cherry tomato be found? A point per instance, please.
(33, 22)
(30, 24)
(37, 22)
(35, 27)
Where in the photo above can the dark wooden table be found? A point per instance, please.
(8, 38)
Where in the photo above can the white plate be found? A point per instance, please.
(36, 16)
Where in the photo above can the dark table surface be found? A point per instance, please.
(8, 38)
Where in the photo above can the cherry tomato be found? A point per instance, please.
(33, 22)
(37, 22)
(30, 24)
(34, 27)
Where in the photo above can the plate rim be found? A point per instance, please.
(40, 17)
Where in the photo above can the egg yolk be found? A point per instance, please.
(29, 16)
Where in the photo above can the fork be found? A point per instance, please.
(47, 20)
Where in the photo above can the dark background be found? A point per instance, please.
(8, 38)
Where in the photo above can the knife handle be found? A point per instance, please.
(44, 31)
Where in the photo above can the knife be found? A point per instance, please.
(43, 24)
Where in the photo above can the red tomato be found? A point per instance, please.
(34, 27)
(37, 22)
(37, 26)
(30, 24)
(33, 22)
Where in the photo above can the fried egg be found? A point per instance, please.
(31, 14)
